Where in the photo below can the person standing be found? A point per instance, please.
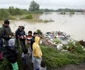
(26, 60)
(12, 54)
(33, 39)
(22, 37)
(6, 32)
(17, 36)
(37, 54)
(29, 38)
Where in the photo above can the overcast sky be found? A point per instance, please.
(51, 4)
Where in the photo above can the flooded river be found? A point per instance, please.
(73, 25)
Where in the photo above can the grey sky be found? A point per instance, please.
(51, 4)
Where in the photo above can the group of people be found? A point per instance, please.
(10, 42)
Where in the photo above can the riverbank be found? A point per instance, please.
(54, 60)
(63, 60)
(72, 67)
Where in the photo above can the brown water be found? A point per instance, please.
(73, 25)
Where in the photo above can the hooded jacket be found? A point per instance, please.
(12, 53)
(36, 48)
(11, 43)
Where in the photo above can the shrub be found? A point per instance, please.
(71, 47)
(4, 14)
(79, 48)
(54, 58)
(39, 31)
(29, 17)
(56, 41)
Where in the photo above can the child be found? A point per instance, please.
(12, 55)
(43, 66)
(25, 60)
(29, 38)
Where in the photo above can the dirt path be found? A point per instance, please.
(73, 67)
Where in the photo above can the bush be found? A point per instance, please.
(56, 41)
(39, 31)
(71, 47)
(4, 14)
(72, 12)
(54, 58)
(29, 17)
(79, 48)
(63, 13)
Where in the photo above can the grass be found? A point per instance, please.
(5, 65)
(54, 58)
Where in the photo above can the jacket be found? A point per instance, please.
(21, 34)
(12, 53)
(5, 32)
(25, 59)
(1, 44)
(36, 48)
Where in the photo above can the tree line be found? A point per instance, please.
(34, 8)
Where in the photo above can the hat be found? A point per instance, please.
(22, 27)
(6, 22)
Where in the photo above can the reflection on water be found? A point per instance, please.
(73, 25)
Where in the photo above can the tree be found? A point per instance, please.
(4, 14)
(34, 7)
(12, 10)
(16, 11)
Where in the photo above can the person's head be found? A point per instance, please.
(43, 64)
(29, 32)
(37, 39)
(6, 23)
(11, 42)
(25, 50)
(13, 34)
(21, 28)
(35, 34)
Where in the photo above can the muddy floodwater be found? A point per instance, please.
(73, 25)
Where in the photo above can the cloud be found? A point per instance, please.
(52, 4)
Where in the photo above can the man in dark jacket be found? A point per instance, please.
(6, 32)
(17, 36)
(21, 35)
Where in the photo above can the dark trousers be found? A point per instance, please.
(22, 43)
(5, 47)
(6, 42)
(17, 42)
